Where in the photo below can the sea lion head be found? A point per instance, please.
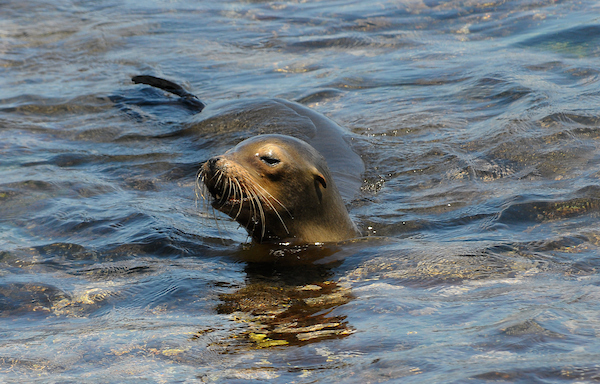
(280, 189)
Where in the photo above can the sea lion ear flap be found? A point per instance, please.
(320, 179)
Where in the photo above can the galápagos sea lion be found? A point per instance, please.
(279, 187)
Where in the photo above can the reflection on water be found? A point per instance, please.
(287, 307)
(477, 122)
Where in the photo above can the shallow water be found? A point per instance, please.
(479, 126)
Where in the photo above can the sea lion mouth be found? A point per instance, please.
(227, 191)
(231, 200)
(242, 199)
(222, 199)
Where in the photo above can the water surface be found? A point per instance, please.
(479, 126)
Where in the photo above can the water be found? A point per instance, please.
(478, 123)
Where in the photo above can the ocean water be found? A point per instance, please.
(479, 126)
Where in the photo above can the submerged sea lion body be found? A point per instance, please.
(281, 182)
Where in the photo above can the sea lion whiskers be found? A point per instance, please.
(231, 192)
(266, 199)
(226, 192)
(241, 199)
(252, 217)
(276, 200)
(254, 197)
(202, 191)
(200, 184)
(219, 183)
(202, 188)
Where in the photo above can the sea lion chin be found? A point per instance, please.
(280, 189)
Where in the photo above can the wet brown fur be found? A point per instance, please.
(280, 189)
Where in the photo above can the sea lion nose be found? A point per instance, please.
(212, 163)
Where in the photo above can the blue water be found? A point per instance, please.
(479, 126)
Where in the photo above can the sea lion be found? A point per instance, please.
(279, 187)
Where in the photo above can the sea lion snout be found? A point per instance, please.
(211, 169)
(211, 163)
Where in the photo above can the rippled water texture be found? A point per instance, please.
(479, 126)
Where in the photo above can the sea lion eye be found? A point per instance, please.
(269, 160)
